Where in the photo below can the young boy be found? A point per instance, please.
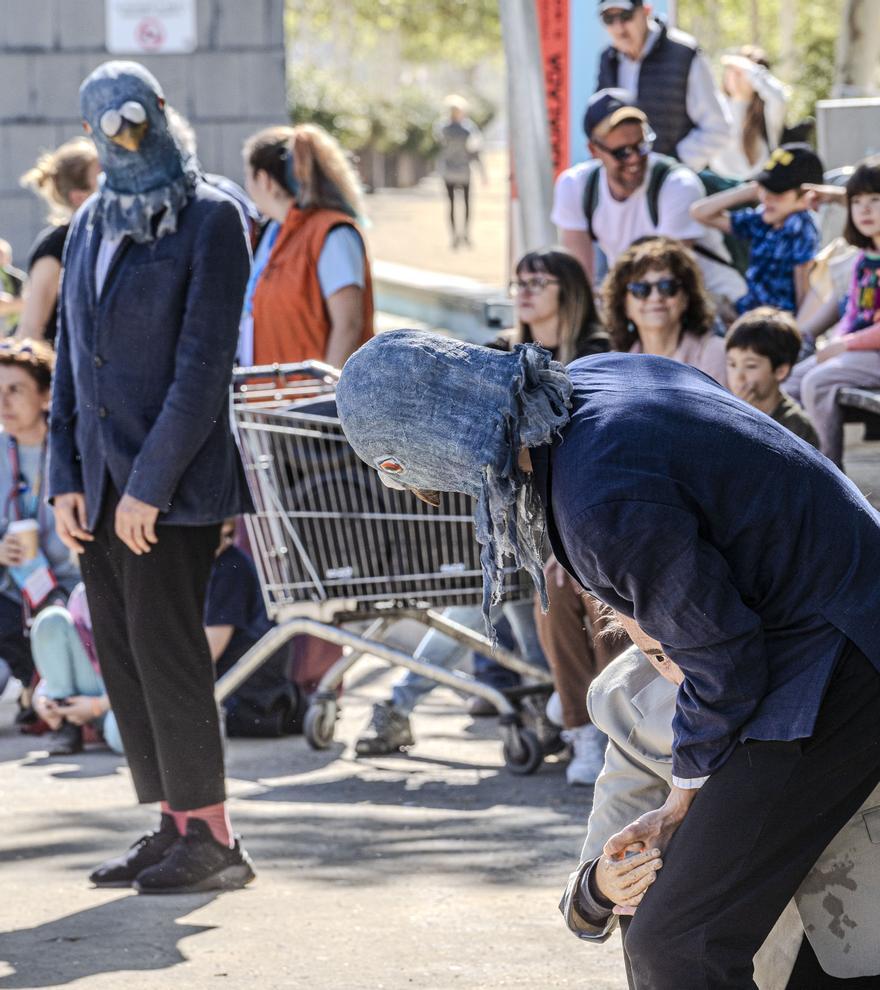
(762, 346)
(782, 232)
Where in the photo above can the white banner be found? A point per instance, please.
(150, 27)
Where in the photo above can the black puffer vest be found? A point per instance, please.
(663, 82)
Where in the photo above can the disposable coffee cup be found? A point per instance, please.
(28, 533)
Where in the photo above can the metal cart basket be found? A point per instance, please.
(335, 548)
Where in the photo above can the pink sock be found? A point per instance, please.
(216, 817)
(178, 816)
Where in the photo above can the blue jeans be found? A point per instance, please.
(64, 666)
(516, 628)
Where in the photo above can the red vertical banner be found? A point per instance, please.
(553, 25)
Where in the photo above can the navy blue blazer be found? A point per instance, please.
(141, 385)
(746, 553)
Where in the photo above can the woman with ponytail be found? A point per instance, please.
(756, 101)
(64, 179)
(313, 299)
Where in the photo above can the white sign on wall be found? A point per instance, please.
(150, 27)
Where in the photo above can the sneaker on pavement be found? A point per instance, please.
(389, 731)
(147, 851)
(588, 754)
(197, 862)
(66, 740)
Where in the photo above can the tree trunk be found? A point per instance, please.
(755, 22)
(787, 29)
(858, 51)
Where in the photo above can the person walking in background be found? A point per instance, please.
(756, 102)
(143, 467)
(666, 76)
(654, 302)
(64, 178)
(313, 300)
(460, 143)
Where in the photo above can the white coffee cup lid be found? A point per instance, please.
(23, 525)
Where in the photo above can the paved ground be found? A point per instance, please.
(438, 870)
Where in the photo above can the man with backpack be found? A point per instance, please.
(627, 192)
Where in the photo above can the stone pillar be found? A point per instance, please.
(232, 85)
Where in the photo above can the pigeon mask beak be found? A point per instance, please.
(131, 136)
(424, 495)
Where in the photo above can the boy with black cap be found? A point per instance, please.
(782, 232)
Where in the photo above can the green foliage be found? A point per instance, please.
(722, 25)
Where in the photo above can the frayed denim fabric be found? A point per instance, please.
(136, 187)
(450, 416)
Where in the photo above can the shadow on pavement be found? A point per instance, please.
(128, 934)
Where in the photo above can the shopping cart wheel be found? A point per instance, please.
(522, 753)
(320, 722)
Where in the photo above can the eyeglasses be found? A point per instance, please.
(532, 286)
(642, 149)
(622, 17)
(667, 287)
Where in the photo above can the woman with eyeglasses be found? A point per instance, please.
(555, 307)
(655, 302)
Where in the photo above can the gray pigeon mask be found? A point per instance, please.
(434, 414)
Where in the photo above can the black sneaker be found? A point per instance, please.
(389, 731)
(197, 862)
(66, 740)
(147, 851)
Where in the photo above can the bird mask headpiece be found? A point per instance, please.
(146, 179)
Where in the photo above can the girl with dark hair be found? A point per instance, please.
(555, 307)
(655, 303)
(852, 355)
(756, 101)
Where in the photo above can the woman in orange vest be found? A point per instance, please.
(314, 298)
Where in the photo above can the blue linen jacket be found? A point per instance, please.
(744, 551)
(141, 385)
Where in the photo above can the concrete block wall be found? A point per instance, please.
(231, 86)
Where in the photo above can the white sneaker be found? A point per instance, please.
(553, 709)
(588, 754)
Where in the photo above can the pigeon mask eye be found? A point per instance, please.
(111, 122)
(133, 112)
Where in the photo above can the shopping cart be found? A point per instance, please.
(335, 548)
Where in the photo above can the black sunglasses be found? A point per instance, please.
(622, 16)
(642, 149)
(667, 287)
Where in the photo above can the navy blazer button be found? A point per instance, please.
(99, 361)
(102, 412)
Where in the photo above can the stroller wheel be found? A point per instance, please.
(320, 723)
(523, 753)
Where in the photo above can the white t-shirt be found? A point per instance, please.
(341, 262)
(617, 223)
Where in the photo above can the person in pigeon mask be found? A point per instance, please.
(704, 521)
(143, 467)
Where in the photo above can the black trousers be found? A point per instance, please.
(147, 614)
(465, 189)
(752, 834)
(15, 647)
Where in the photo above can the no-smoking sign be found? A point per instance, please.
(155, 27)
(150, 34)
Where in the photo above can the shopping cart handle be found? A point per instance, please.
(282, 372)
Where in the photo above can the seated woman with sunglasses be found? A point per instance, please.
(655, 302)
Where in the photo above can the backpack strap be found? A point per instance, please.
(661, 169)
(591, 197)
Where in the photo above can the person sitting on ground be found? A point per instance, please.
(852, 356)
(34, 572)
(783, 234)
(627, 191)
(655, 302)
(313, 300)
(633, 700)
(266, 703)
(756, 102)
(64, 178)
(71, 693)
(669, 78)
(762, 347)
